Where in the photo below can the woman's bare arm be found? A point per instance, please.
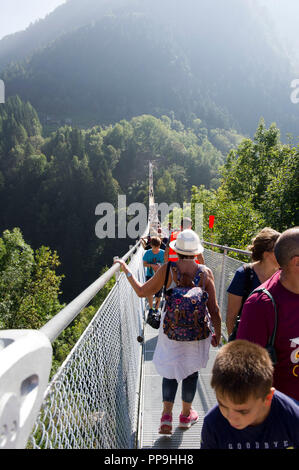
(155, 283)
(150, 287)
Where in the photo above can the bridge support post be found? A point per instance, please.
(25, 364)
(222, 278)
(117, 274)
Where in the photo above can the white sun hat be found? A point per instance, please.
(187, 243)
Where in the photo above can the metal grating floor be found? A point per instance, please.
(151, 403)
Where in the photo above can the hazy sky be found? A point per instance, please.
(16, 15)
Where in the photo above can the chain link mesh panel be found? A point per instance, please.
(223, 268)
(92, 402)
(214, 261)
(230, 267)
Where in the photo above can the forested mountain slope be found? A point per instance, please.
(220, 61)
(50, 187)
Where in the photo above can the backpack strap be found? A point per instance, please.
(265, 291)
(249, 276)
(248, 281)
(271, 340)
(198, 277)
(167, 275)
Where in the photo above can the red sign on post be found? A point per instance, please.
(211, 221)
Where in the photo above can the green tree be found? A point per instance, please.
(259, 188)
(249, 169)
(236, 222)
(165, 188)
(280, 203)
(29, 285)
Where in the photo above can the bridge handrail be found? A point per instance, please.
(54, 327)
(92, 401)
(228, 248)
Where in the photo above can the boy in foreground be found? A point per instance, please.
(250, 413)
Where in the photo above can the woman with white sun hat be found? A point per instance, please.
(178, 361)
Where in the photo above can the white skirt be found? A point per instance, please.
(179, 359)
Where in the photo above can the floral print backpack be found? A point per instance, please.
(186, 316)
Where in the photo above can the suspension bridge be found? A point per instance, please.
(106, 394)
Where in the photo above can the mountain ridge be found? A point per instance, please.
(140, 57)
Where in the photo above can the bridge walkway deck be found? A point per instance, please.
(151, 403)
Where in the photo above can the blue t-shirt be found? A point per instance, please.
(152, 258)
(237, 286)
(280, 430)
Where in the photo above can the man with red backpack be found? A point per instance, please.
(170, 254)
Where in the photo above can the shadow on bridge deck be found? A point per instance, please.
(151, 403)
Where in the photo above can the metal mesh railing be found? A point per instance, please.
(92, 402)
(223, 268)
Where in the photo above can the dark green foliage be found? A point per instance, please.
(29, 285)
(266, 173)
(30, 289)
(50, 187)
(259, 188)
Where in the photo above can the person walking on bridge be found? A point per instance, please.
(250, 276)
(152, 260)
(170, 254)
(177, 360)
(258, 316)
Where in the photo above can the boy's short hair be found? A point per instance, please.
(242, 369)
(155, 241)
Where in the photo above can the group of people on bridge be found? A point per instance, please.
(255, 375)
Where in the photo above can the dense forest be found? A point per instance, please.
(49, 190)
(51, 186)
(93, 95)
